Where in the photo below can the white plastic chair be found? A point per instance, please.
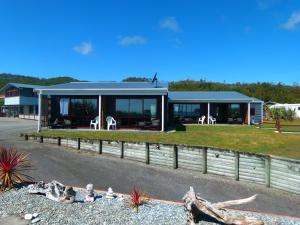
(212, 120)
(94, 122)
(111, 122)
(201, 120)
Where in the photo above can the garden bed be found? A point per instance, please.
(104, 211)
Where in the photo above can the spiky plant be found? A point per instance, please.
(13, 166)
(137, 198)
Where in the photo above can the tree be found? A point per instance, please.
(279, 114)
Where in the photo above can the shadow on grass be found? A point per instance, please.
(180, 127)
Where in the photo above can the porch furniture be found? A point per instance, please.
(111, 122)
(230, 120)
(60, 123)
(212, 120)
(239, 120)
(94, 122)
(201, 120)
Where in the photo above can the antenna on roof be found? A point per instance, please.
(154, 79)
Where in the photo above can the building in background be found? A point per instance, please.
(20, 100)
(293, 107)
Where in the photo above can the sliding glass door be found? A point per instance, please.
(137, 113)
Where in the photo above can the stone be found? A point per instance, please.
(35, 220)
(110, 193)
(54, 190)
(35, 215)
(90, 197)
(69, 195)
(28, 216)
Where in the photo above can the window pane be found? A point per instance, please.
(122, 107)
(150, 108)
(136, 107)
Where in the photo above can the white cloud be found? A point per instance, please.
(85, 48)
(132, 40)
(170, 23)
(265, 4)
(292, 22)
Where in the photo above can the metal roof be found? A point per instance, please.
(105, 86)
(212, 96)
(19, 85)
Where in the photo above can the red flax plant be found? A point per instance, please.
(13, 164)
(137, 198)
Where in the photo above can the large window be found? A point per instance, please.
(12, 92)
(186, 112)
(146, 108)
(234, 110)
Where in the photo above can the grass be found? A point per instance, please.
(241, 138)
(286, 126)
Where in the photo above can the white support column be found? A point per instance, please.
(100, 114)
(208, 112)
(249, 114)
(162, 113)
(39, 111)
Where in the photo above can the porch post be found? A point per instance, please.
(162, 113)
(39, 111)
(208, 112)
(100, 110)
(249, 114)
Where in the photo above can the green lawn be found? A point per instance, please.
(242, 138)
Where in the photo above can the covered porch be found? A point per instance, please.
(131, 109)
(223, 113)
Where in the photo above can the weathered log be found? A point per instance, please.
(198, 209)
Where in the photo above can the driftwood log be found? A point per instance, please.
(199, 209)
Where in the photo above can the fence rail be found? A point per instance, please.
(272, 171)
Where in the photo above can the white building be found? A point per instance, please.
(293, 107)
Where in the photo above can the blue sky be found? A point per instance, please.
(216, 40)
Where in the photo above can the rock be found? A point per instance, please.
(110, 193)
(28, 216)
(35, 215)
(35, 220)
(54, 190)
(90, 197)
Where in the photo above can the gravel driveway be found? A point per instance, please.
(77, 169)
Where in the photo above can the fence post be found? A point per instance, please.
(41, 139)
(237, 165)
(204, 160)
(175, 157)
(122, 150)
(100, 147)
(26, 137)
(147, 153)
(78, 143)
(59, 141)
(267, 170)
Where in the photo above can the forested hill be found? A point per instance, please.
(10, 78)
(265, 91)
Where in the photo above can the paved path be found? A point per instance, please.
(79, 168)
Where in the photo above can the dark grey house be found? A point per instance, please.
(141, 105)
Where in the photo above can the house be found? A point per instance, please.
(20, 100)
(141, 105)
(293, 107)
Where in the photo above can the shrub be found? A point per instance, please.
(13, 164)
(137, 198)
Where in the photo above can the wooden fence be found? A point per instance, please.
(271, 171)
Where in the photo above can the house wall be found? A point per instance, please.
(258, 109)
